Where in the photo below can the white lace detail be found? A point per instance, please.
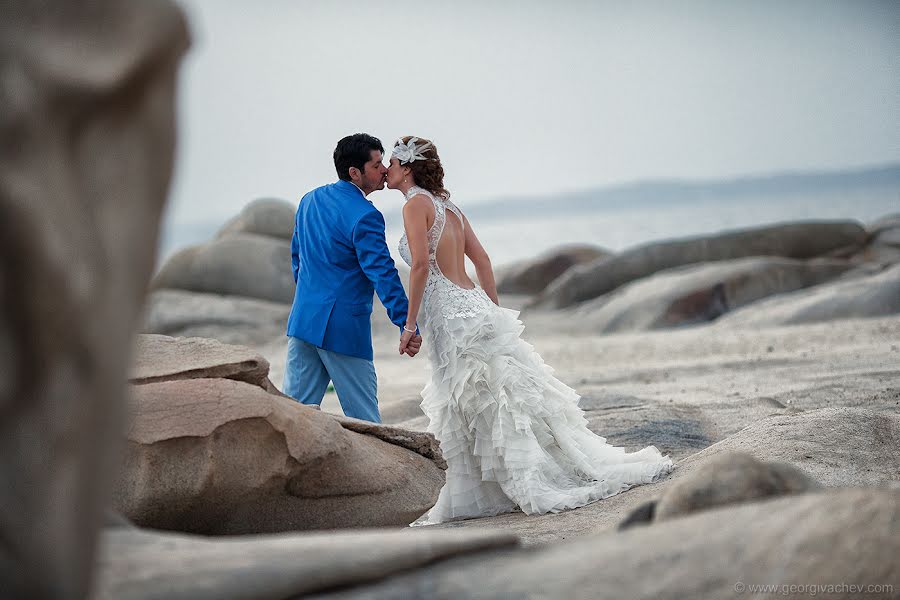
(442, 296)
(511, 433)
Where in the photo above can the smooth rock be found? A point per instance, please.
(217, 456)
(253, 266)
(88, 134)
(162, 358)
(532, 276)
(264, 216)
(700, 293)
(789, 240)
(852, 298)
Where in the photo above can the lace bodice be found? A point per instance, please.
(442, 295)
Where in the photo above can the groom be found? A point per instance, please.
(339, 256)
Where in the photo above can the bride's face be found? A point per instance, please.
(396, 174)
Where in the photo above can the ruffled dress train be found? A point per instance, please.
(512, 434)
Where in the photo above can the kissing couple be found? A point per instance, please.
(512, 434)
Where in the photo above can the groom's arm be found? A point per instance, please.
(376, 262)
(295, 250)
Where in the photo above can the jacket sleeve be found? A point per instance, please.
(295, 250)
(376, 262)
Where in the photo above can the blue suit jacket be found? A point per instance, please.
(339, 257)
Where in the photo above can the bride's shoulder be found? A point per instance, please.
(418, 203)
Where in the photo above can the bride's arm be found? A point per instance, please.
(479, 257)
(415, 221)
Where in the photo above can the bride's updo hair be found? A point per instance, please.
(429, 173)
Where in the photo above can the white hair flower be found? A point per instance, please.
(409, 152)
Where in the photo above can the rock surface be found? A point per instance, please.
(162, 358)
(264, 216)
(532, 276)
(217, 456)
(790, 240)
(860, 297)
(699, 293)
(88, 133)
(253, 266)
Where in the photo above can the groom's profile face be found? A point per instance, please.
(373, 174)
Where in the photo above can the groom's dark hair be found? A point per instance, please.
(354, 151)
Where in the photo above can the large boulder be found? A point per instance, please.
(264, 216)
(859, 297)
(88, 134)
(219, 456)
(532, 276)
(254, 266)
(229, 319)
(701, 293)
(791, 240)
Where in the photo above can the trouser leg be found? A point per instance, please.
(355, 383)
(305, 377)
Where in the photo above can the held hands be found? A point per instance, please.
(410, 343)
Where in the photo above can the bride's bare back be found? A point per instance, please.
(451, 252)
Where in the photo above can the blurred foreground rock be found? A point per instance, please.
(88, 134)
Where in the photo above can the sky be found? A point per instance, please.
(530, 98)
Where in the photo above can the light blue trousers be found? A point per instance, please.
(309, 369)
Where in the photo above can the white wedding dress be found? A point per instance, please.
(511, 433)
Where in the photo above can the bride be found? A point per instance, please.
(511, 433)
